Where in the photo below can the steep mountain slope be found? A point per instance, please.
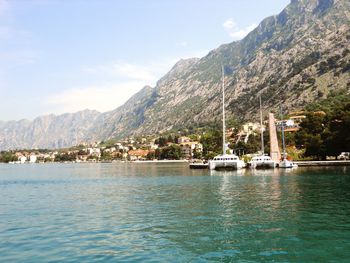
(119, 122)
(295, 57)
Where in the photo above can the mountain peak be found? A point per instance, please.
(180, 67)
(313, 6)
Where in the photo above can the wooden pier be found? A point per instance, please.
(199, 165)
(322, 163)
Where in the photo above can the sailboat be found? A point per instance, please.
(224, 160)
(262, 161)
(285, 163)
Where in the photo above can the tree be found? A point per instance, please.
(339, 129)
(106, 156)
(170, 139)
(6, 157)
(172, 152)
(157, 154)
(314, 147)
(212, 143)
(197, 154)
(151, 155)
(312, 135)
(65, 157)
(161, 141)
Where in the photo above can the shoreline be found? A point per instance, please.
(323, 163)
(200, 165)
(119, 161)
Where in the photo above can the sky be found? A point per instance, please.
(60, 56)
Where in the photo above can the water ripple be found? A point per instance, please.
(168, 213)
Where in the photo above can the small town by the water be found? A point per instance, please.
(194, 145)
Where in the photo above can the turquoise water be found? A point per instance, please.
(169, 213)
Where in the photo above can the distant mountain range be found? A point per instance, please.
(295, 57)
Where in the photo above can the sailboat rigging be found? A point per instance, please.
(285, 163)
(225, 161)
(262, 161)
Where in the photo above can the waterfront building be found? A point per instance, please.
(22, 159)
(137, 155)
(32, 158)
(189, 148)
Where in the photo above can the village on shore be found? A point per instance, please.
(320, 132)
(149, 148)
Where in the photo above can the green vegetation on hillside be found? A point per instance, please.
(325, 131)
(6, 157)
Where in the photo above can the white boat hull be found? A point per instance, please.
(229, 165)
(287, 164)
(263, 165)
(262, 162)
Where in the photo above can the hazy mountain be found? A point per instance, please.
(296, 57)
(49, 131)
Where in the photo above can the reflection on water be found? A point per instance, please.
(167, 212)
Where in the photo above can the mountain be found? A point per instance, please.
(295, 57)
(49, 131)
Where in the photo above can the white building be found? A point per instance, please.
(153, 146)
(32, 158)
(94, 152)
(188, 148)
(183, 139)
(22, 159)
(248, 129)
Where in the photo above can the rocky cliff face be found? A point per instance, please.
(295, 57)
(49, 131)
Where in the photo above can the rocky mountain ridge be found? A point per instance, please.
(295, 57)
(48, 131)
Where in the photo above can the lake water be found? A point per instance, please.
(169, 213)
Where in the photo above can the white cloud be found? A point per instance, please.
(229, 24)
(124, 71)
(234, 31)
(125, 80)
(102, 98)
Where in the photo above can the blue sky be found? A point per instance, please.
(69, 55)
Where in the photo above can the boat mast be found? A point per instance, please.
(283, 143)
(223, 112)
(262, 129)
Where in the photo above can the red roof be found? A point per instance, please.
(138, 152)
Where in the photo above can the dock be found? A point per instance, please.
(198, 165)
(322, 163)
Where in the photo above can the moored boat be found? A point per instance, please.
(262, 161)
(224, 160)
(285, 163)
